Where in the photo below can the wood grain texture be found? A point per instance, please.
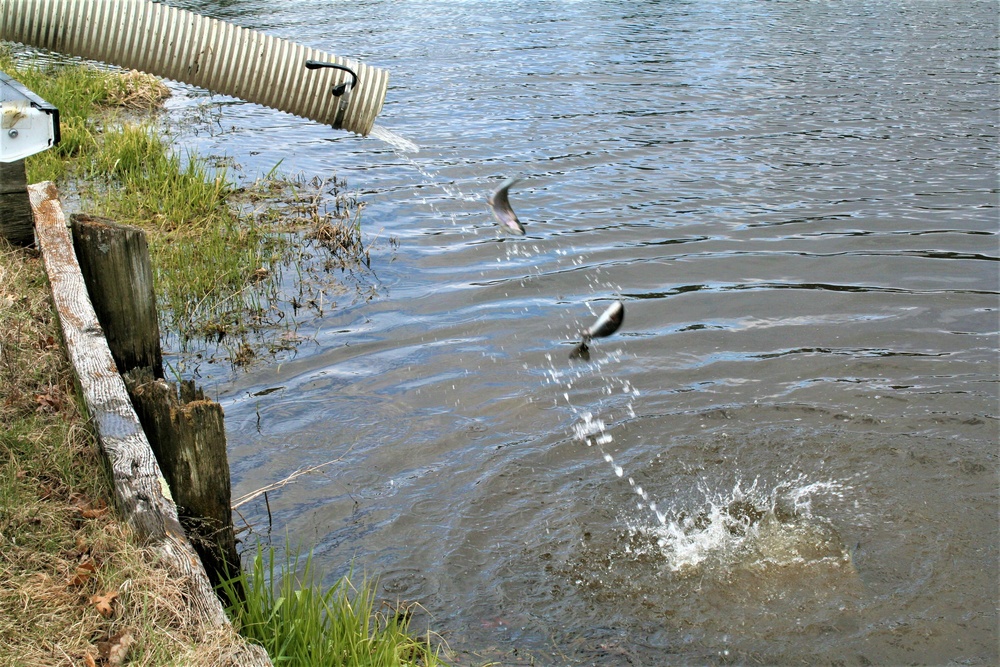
(114, 259)
(141, 491)
(15, 210)
(188, 435)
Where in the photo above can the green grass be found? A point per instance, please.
(300, 624)
(144, 179)
(212, 265)
(218, 251)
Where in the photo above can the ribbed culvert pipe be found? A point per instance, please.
(187, 47)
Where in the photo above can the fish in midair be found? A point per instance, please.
(500, 205)
(606, 324)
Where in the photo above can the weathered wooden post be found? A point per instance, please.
(114, 259)
(16, 222)
(141, 490)
(187, 433)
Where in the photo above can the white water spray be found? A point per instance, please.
(758, 523)
(398, 142)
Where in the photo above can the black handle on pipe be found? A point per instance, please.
(336, 91)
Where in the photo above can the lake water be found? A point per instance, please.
(787, 454)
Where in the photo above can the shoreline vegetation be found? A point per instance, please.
(220, 250)
(76, 588)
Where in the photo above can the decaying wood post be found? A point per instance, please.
(186, 431)
(141, 491)
(114, 259)
(16, 223)
(188, 436)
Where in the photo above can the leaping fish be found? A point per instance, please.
(502, 211)
(606, 324)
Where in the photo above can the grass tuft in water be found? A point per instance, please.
(142, 178)
(213, 267)
(300, 624)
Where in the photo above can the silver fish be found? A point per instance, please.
(502, 211)
(608, 323)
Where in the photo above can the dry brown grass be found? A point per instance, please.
(137, 91)
(63, 551)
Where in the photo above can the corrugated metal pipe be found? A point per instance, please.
(221, 57)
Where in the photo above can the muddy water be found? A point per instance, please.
(787, 454)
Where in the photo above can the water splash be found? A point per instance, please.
(759, 524)
(431, 181)
(593, 432)
(396, 141)
(753, 524)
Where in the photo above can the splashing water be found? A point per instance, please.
(404, 149)
(742, 526)
(396, 141)
(758, 525)
(593, 431)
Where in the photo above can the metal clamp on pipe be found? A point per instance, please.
(341, 91)
(344, 87)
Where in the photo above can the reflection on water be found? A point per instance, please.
(787, 453)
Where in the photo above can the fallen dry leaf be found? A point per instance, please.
(94, 513)
(48, 402)
(116, 648)
(83, 573)
(88, 509)
(88, 661)
(102, 603)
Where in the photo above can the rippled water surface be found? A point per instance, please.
(788, 453)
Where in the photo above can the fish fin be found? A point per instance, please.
(499, 194)
(500, 206)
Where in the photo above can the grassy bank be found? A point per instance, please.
(219, 250)
(62, 550)
(75, 586)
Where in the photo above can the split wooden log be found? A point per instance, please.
(188, 435)
(140, 489)
(114, 260)
(15, 209)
